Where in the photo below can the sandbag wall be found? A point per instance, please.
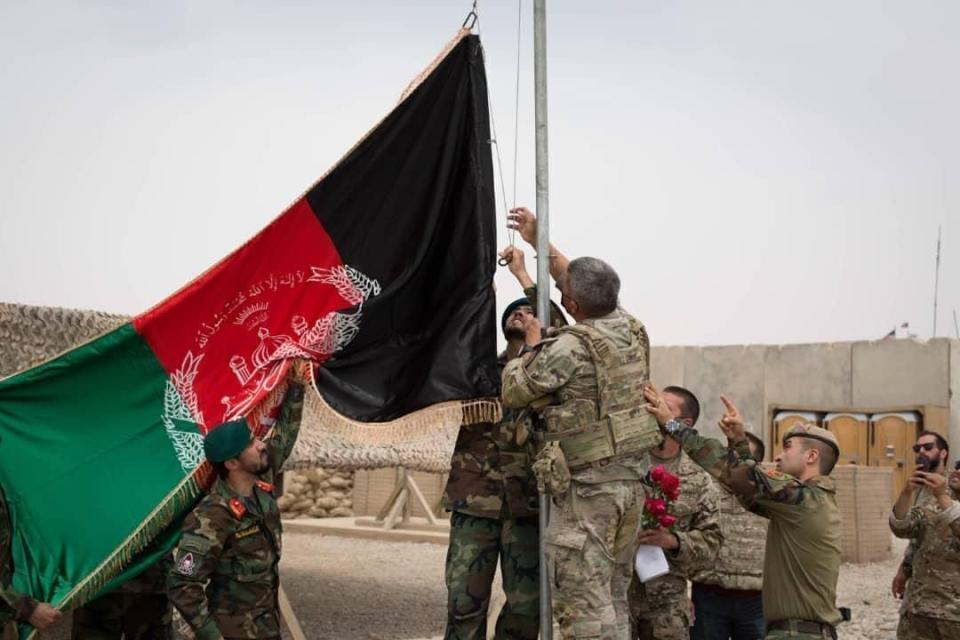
(317, 493)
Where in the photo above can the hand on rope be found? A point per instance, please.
(525, 221)
(512, 257)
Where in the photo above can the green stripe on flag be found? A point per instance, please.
(89, 466)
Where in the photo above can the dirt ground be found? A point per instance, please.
(350, 589)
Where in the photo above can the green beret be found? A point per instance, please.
(227, 440)
(519, 302)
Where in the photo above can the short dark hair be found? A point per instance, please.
(689, 403)
(221, 469)
(594, 285)
(941, 441)
(828, 455)
(759, 449)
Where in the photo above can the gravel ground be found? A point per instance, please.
(349, 589)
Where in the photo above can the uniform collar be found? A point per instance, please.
(823, 482)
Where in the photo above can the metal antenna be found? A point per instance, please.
(936, 284)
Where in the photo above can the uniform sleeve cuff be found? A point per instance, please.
(25, 607)
(898, 525)
(948, 516)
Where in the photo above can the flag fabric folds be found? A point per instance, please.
(381, 274)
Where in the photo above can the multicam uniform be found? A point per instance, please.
(14, 606)
(494, 502)
(802, 559)
(659, 607)
(727, 594)
(137, 610)
(931, 603)
(234, 542)
(590, 375)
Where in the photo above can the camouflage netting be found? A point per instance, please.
(422, 441)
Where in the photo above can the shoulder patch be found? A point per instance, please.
(185, 564)
(237, 508)
(777, 475)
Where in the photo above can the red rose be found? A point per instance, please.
(667, 521)
(657, 473)
(670, 485)
(656, 507)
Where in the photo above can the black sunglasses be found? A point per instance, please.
(926, 446)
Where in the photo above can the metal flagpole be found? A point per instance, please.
(543, 259)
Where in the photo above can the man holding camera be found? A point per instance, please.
(927, 513)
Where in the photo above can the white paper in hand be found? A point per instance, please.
(650, 562)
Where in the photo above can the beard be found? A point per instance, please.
(514, 333)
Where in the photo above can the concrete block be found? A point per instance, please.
(901, 372)
(736, 371)
(808, 375)
(666, 366)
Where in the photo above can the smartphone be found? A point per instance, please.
(956, 465)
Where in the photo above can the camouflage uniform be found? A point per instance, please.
(931, 603)
(137, 610)
(493, 496)
(727, 594)
(234, 542)
(591, 538)
(14, 606)
(802, 558)
(659, 608)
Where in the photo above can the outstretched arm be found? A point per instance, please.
(525, 221)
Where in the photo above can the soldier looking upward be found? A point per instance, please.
(802, 559)
(232, 538)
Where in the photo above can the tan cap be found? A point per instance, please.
(810, 430)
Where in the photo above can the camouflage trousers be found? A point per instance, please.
(116, 615)
(476, 544)
(926, 628)
(590, 542)
(659, 608)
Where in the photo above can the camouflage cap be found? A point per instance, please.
(810, 430)
(519, 302)
(227, 440)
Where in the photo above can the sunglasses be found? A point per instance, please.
(926, 446)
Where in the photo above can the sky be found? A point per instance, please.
(757, 172)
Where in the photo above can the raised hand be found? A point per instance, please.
(525, 221)
(731, 423)
(656, 405)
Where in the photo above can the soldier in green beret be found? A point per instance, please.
(232, 538)
(802, 560)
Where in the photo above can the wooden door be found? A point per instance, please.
(851, 431)
(891, 440)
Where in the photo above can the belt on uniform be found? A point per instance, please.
(803, 626)
(723, 591)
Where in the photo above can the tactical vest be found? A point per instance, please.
(615, 424)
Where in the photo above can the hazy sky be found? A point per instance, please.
(757, 172)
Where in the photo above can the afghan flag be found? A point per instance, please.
(381, 274)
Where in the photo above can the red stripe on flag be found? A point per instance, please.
(223, 338)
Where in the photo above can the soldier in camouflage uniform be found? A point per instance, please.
(928, 514)
(802, 559)
(727, 595)
(15, 606)
(232, 538)
(659, 607)
(586, 384)
(493, 497)
(137, 610)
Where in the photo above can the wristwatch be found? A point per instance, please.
(673, 426)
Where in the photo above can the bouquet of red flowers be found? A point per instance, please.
(663, 489)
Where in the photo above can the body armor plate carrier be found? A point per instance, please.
(616, 424)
